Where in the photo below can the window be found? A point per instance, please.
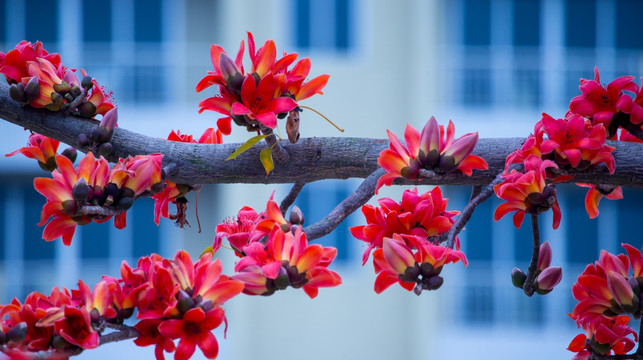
(526, 23)
(145, 232)
(97, 21)
(42, 21)
(580, 23)
(477, 22)
(147, 21)
(628, 13)
(324, 25)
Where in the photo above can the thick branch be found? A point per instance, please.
(311, 159)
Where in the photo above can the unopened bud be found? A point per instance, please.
(206, 305)
(158, 187)
(432, 283)
(621, 291)
(544, 256)
(75, 91)
(83, 140)
(430, 144)
(296, 216)
(69, 207)
(32, 90)
(57, 102)
(87, 110)
(87, 83)
(105, 149)
(70, 153)
(80, 192)
(410, 274)
(228, 67)
(17, 92)
(62, 88)
(110, 120)
(58, 342)
(518, 278)
(185, 301)
(282, 281)
(548, 279)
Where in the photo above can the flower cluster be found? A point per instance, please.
(395, 230)
(527, 192)
(93, 192)
(175, 299)
(275, 253)
(270, 90)
(433, 149)
(175, 193)
(40, 80)
(606, 290)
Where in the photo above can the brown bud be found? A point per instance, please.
(32, 90)
(87, 83)
(70, 153)
(17, 92)
(80, 192)
(296, 216)
(87, 110)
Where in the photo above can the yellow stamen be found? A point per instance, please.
(322, 115)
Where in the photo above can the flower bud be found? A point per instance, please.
(83, 140)
(75, 91)
(185, 301)
(430, 144)
(69, 207)
(227, 66)
(432, 283)
(548, 279)
(125, 203)
(80, 192)
(282, 281)
(544, 256)
(87, 110)
(105, 149)
(296, 216)
(57, 102)
(70, 153)
(62, 88)
(17, 92)
(32, 90)
(50, 165)
(518, 278)
(87, 83)
(109, 121)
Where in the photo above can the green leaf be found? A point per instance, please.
(266, 159)
(247, 145)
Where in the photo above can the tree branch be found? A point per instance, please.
(311, 159)
(124, 332)
(528, 287)
(364, 192)
(291, 197)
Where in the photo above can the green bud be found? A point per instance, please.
(75, 91)
(125, 203)
(50, 165)
(87, 83)
(296, 216)
(57, 102)
(62, 88)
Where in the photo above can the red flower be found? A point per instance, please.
(422, 215)
(240, 231)
(596, 193)
(13, 64)
(76, 328)
(286, 260)
(195, 328)
(149, 334)
(42, 149)
(396, 262)
(609, 335)
(527, 192)
(576, 144)
(258, 102)
(429, 150)
(599, 104)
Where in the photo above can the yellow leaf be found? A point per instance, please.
(247, 145)
(266, 159)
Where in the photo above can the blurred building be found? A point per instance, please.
(491, 66)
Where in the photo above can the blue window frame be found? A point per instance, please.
(325, 25)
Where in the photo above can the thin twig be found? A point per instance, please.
(362, 194)
(291, 197)
(528, 286)
(77, 101)
(476, 199)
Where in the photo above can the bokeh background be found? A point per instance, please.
(492, 66)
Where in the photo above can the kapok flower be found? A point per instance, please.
(531, 146)
(42, 149)
(576, 144)
(606, 288)
(600, 104)
(527, 192)
(194, 328)
(596, 193)
(433, 149)
(286, 260)
(396, 262)
(423, 215)
(76, 328)
(609, 335)
(258, 101)
(239, 231)
(14, 62)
